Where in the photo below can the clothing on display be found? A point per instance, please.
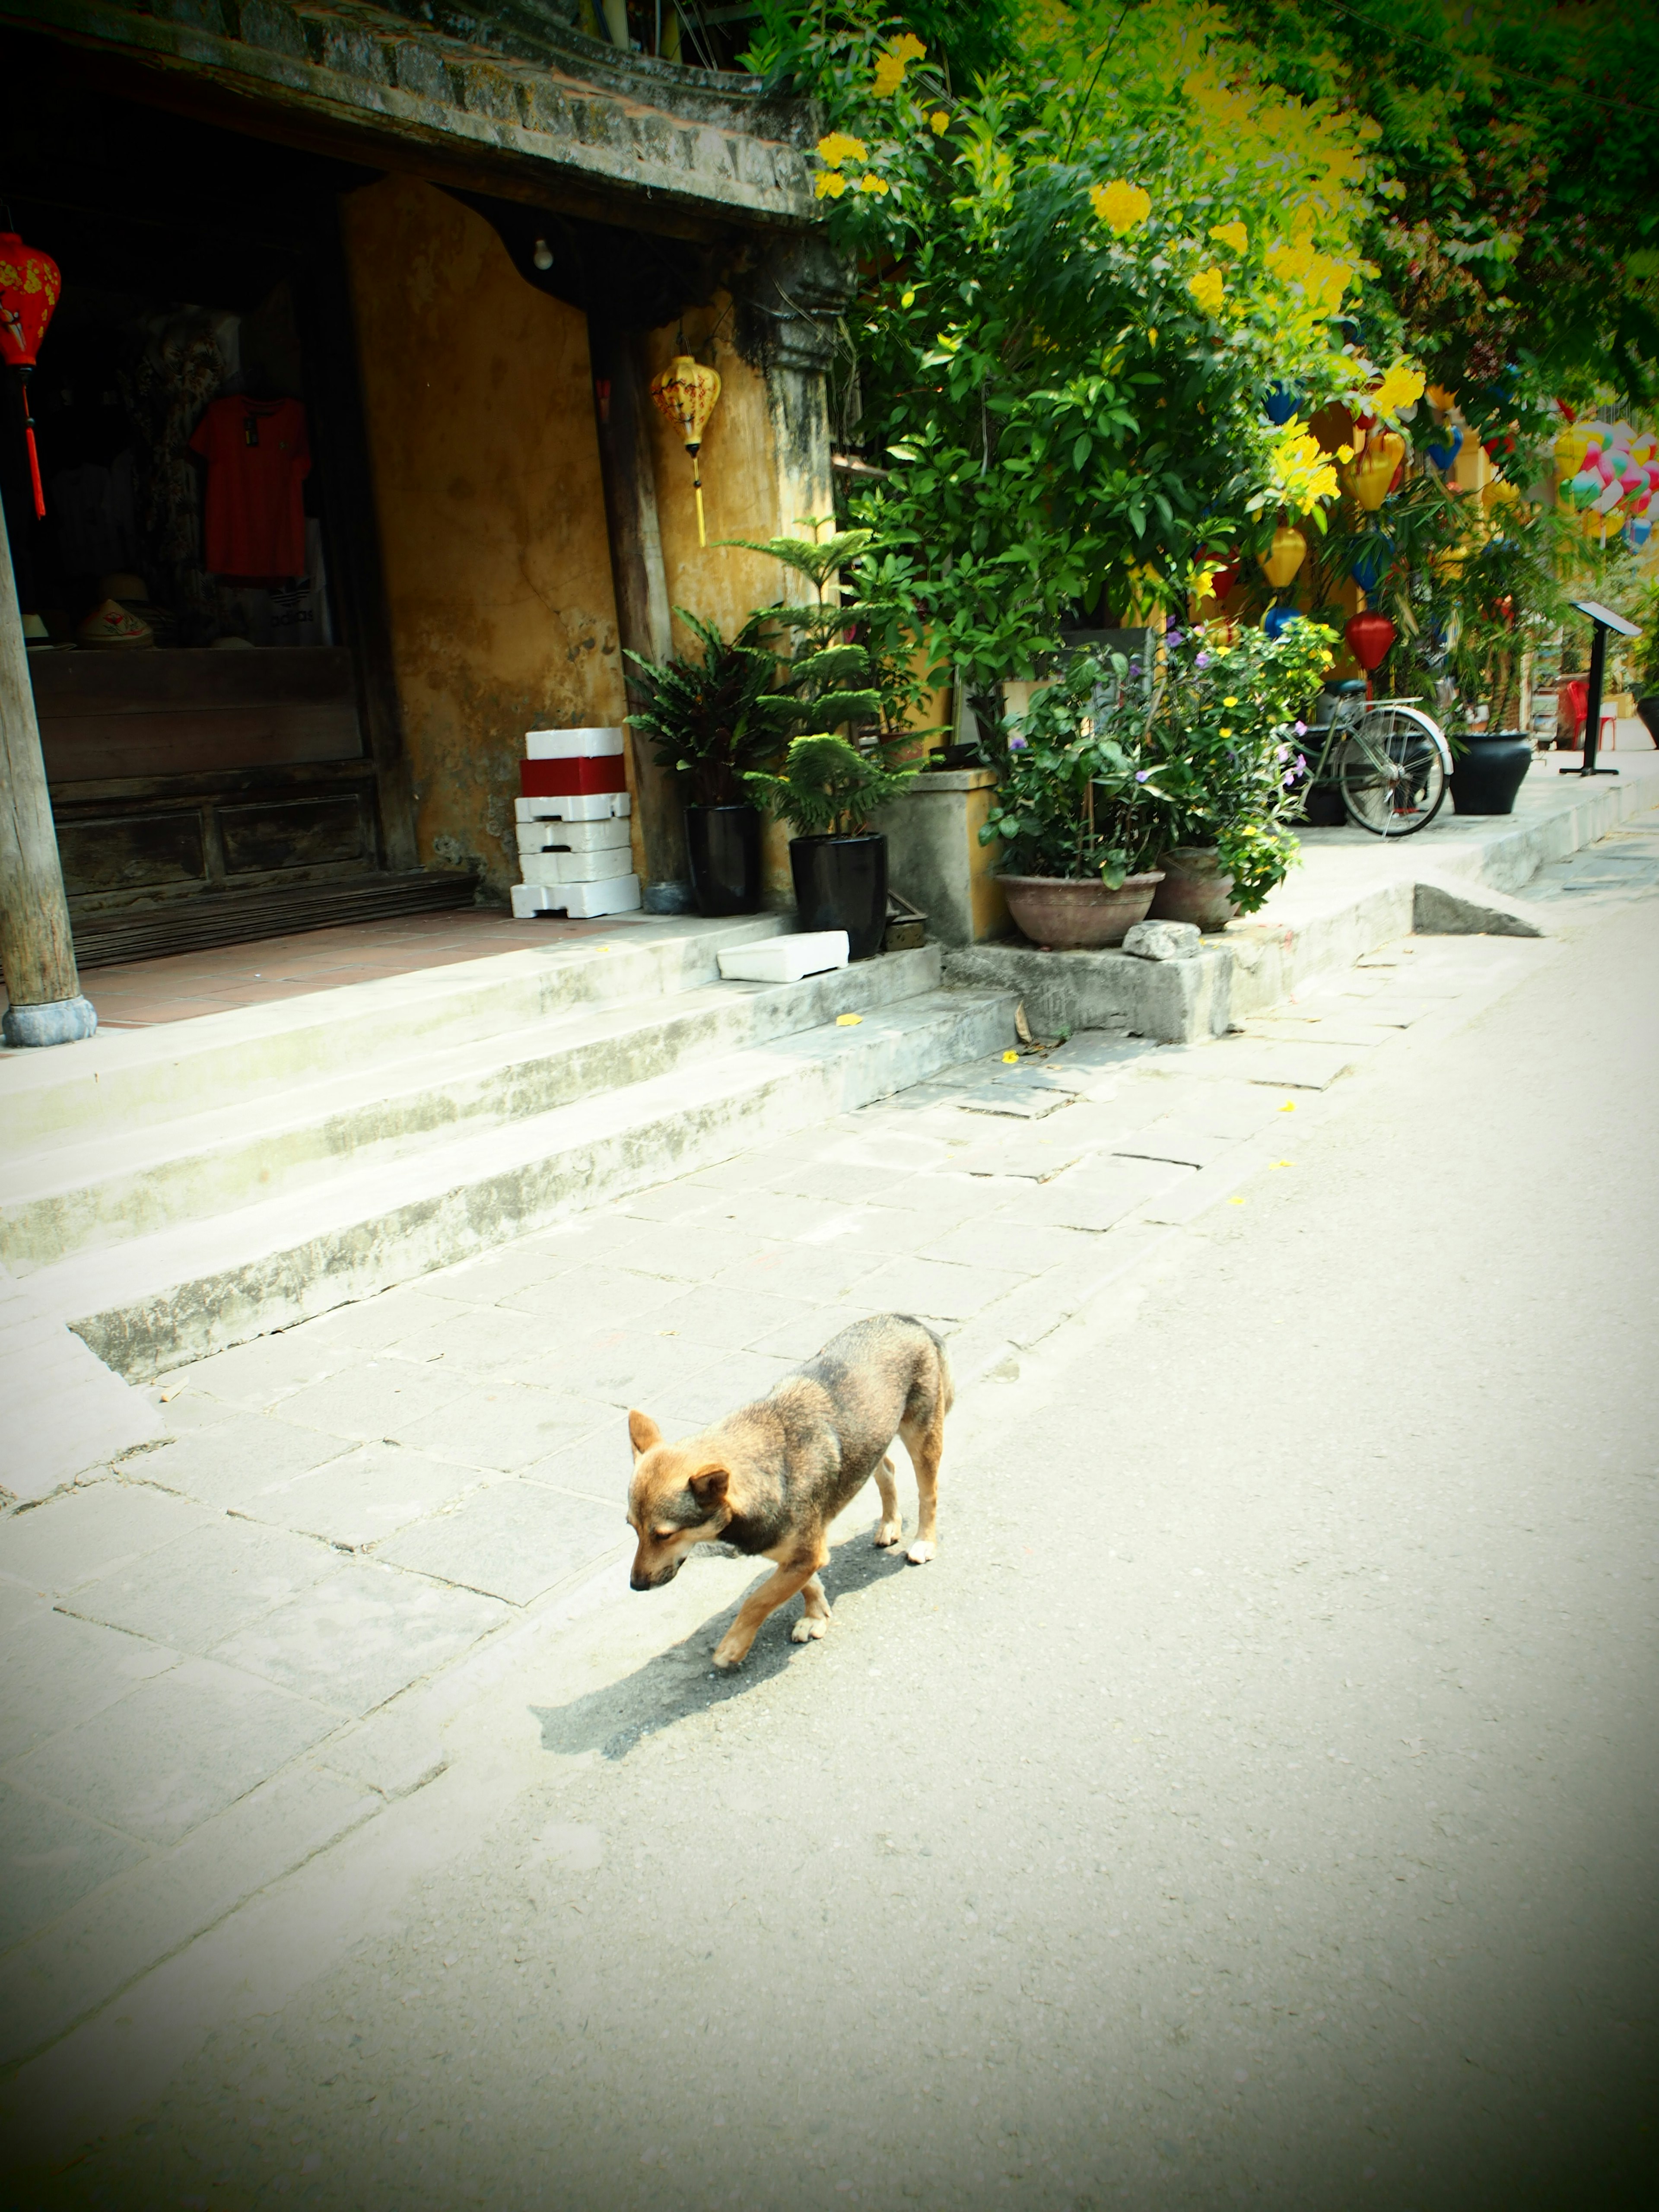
(258, 458)
(164, 388)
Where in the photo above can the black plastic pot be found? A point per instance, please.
(723, 844)
(1649, 710)
(1486, 778)
(840, 882)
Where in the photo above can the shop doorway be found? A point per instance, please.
(202, 600)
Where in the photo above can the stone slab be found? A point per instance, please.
(56, 1672)
(357, 1639)
(357, 1500)
(512, 1542)
(175, 1752)
(49, 1860)
(231, 1460)
(200, 1588)
(63, 1544)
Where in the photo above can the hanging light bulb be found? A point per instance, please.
(542, 255)
(685, 393)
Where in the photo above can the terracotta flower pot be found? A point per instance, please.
(1074, 914)
(1195, 888)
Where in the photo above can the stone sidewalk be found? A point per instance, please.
(232, 1646)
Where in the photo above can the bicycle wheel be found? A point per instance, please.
(1392, 772)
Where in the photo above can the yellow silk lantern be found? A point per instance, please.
(1373, 472)
(1289, 551)
(685, 393)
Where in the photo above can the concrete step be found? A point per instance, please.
(120, 1082)
(62, 1197)
(158, 1301)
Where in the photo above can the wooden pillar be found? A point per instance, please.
(37, 953)
(621, 403)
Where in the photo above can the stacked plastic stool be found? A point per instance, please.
(573, 826)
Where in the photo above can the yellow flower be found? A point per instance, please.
(1010, 1058)
(1226, 734)
(830, 184)
(940, 122)
(1230, 703)
(907, 299)
(1345, 454)
(1401, 387)
(1232, 233)
(1120, 205)
(892, 60)
(1209, 288)
(871, 182)
(838, 147)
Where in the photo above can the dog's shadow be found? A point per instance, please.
(683, 1681)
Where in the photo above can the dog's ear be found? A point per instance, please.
(642, 1432)
(709, 1487)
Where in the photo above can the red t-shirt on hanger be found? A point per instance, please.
(258, 457)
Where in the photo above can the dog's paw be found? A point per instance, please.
(809, 1628)
(888, 1534)
(726, 1660)
(920, 1553)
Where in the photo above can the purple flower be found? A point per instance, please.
(1141, 774)
(1302, 729)
(1284, 752)
(1172, 637)
(1134, 668)
(1202, 661)
(1016, 745)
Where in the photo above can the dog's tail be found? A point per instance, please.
(947, 1388)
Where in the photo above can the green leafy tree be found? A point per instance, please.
(827, 788)
(712, 718)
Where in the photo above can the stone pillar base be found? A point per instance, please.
(935, 858)
(65, 1021)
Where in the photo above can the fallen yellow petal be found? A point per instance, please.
(1009, 1059)
(847, 1021)
(1289, 1107)
(1235, 1201)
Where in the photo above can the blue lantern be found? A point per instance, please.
(1443, 456)
(1281, 402)
(1372, 561)
(1277, 620)
(1638, 531)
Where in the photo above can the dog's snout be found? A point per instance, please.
(648, 1578)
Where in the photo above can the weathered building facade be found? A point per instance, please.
(448, 255)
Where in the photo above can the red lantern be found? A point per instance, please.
(29, 285)
(1370, 637)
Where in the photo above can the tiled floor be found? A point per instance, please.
(138, 993)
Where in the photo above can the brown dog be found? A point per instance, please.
(770, 1478)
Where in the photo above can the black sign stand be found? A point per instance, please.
(1602, 619)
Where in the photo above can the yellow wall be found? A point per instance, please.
(478, 395)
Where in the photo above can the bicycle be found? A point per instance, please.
(1387, 759)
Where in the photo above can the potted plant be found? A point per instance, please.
(711, 719)
(1226, 730)
(827, 791)
(1080, 809)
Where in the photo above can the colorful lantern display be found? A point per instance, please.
(1372, 561)
(1371, 478)
(684, 394)
(1444, 453)
(1288, 552)
(1277, 620)
(1371, 638)
(30, 286)
(1281, 402)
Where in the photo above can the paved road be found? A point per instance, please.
(1254, 1803)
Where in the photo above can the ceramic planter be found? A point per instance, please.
(840, 882)
(1074, 914)
(723, 844)
(1195, 888)
(1485, 778)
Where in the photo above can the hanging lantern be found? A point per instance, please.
(1372, 561)
(1372, 475)
(1288, 552)
(685, 393)
(1281, 402)
(1370, 637)
(29, 285)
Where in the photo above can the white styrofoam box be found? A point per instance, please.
(569, 867)
(579, 806)
(572, 745)
(785, 959)
(581, 901)
(573, 836)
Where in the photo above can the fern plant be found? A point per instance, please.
(828, 789)
(714, 720)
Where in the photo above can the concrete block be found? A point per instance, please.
(785, 959)
(577, 807)
(568, 867)
(61, 1671)
(357, 1639)
(572, 744)
(935, 858)
(356, 1501)
(934, 1288)
(581, 901)
(379, 1400)
(574, 837)
(1095, 1197)
(63, 1544)
(1162, 940)
(511, 1541)
(1443, 907)
(175, 1752)
(601, 1465)
(507, 1426)
(51, 1859)
(1171, 1001)
(194, 1592)
(718, 1387)
(229, 1463)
